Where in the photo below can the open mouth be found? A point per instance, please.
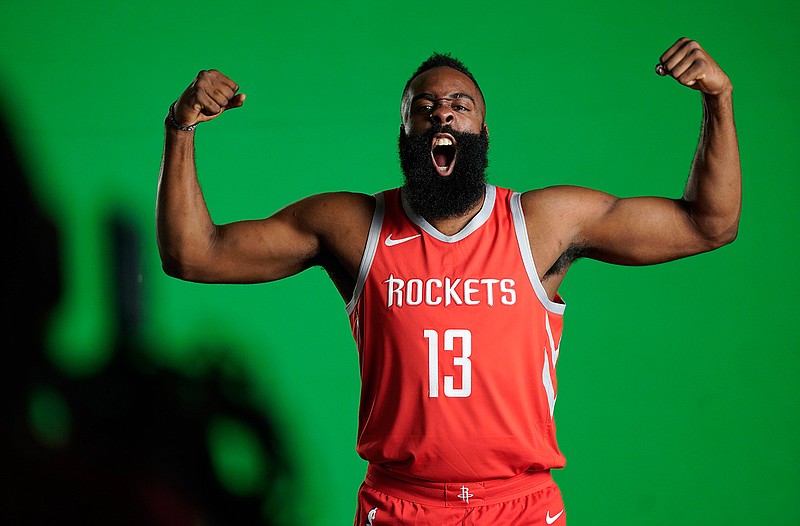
(443, 153)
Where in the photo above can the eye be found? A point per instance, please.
(459, 107)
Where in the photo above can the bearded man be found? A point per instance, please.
(451, 285)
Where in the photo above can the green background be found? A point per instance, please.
(678, 399)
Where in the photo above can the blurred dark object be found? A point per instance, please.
(130, 444)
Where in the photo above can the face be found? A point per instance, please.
(443, 144)
(446, 96)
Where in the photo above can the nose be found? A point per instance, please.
(442, 114)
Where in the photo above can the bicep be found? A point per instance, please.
(255, 251)
(264, 250)
(637, 230)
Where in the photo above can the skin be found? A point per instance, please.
(331, 229)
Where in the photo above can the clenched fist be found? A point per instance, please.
(688, 63)
(206, 98)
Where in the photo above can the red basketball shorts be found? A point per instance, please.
(388, 499)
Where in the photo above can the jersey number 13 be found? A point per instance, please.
(462, 361)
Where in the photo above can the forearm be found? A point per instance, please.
(183, 225)
(713, 193)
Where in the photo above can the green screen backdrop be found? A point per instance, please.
(678, 399)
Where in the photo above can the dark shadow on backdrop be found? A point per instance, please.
(127, 446)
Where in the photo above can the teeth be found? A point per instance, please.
(442, 141)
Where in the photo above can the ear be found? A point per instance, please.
(486, 129)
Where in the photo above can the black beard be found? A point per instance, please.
(437, 197)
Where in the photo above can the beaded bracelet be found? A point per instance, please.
(174, 123)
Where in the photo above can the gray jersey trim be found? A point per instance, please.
(369, 251)
(474, 224)
(527, 258)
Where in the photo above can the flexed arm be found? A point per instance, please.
(648, 230)
(713, 192)
(324, 229)
(184, 229)
(192, 247)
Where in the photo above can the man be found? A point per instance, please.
(451, 285)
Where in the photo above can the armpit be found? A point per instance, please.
(569, 256)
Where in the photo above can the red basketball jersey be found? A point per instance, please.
(458, 344)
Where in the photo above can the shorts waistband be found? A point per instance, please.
(456, 494)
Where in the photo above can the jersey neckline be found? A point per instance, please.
(474, 224)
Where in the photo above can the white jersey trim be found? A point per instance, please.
(373, 238)
(527, 258)
(474, 224)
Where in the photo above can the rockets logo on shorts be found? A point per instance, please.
(371, 516)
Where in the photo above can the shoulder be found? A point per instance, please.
(565, 202)
(558, 218)
(339, 223)
(562, 195)
(333, 208)
(332, 200)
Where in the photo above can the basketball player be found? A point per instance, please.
(451, 285)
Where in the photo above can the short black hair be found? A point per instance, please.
(437, 60)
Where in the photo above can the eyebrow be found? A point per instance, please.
(431, 96)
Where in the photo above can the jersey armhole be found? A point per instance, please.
(369, 251)
(527, 257)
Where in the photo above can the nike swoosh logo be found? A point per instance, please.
(551, 520)
(392, 242)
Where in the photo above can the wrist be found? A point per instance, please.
(718, 108)
(723, 92)
(171, 121)
(717, 100)
(177, 138)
